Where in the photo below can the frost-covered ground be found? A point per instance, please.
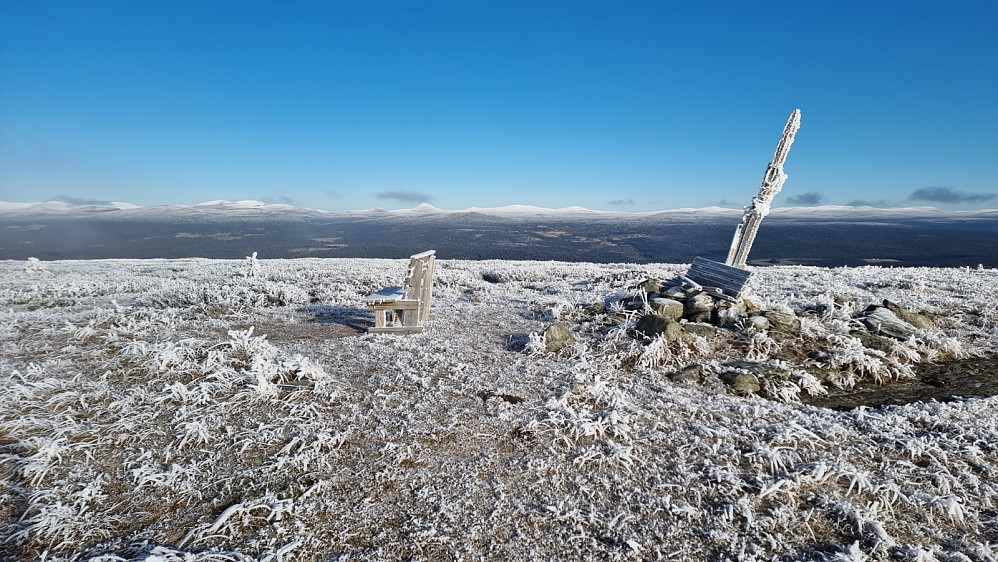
(184, 410)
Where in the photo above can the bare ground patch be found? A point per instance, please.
(942, 382)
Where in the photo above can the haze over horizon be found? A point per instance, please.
(637, 107)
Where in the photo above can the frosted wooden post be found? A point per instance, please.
(772, 183)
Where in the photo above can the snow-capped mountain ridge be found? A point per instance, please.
(249, 206)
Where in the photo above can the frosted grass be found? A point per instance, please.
(226, 410)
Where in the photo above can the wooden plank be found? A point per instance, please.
(422, 255)
(396, 330)
(721, 270)
(387, 294)
(729, 280)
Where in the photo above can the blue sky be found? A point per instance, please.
(630, 106)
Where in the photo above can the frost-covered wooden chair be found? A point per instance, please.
(404, 309)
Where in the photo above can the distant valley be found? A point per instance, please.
(807, 237)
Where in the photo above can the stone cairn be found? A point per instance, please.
(675, 311)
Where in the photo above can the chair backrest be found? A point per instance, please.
(418, 282)
(729, 280)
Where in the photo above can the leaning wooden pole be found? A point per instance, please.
(772, 183)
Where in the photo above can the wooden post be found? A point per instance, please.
(772, 183)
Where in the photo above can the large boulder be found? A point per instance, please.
(557, 337)
(652, 325)
(884, 322)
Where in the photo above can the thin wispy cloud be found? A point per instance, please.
(618, 202)
(808, 199)
(405, 196)
(939, 194)
(865, 203)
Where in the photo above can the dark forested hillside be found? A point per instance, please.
(638, 239)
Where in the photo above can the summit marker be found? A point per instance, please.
(772, 183)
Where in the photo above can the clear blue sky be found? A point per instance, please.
(629, 106)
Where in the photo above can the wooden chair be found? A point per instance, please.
(404, 309)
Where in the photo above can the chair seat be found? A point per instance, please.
(387, 294)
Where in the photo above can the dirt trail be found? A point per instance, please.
(941, 382)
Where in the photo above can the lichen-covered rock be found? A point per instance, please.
(783, 322)
(652, 325)
(651, 285)
(730, 312)
(618, 319)
(916, 319)
(690, 373)
(873, 341)
(698, 307)
(557, 337)
(760, 323)
(699, 302)
(884, 322)
(702, 330)
(595, 309)
(745, 382)
(675, 293)
(668, 308)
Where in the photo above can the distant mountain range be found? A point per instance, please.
(825, 235)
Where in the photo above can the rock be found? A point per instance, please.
(595, 309)
(884, 322)
(634, 303)
(651, 285)
(492, 277)
(668, 308)
(760, 323)
(617, 319)
(783, 322)
(690, 373)
(730, 312)
(873, 341)
(702, 330)
(557, 337)
(698, 307)
(741, 381)
(915, 319)
(652, 325)
(675, 293)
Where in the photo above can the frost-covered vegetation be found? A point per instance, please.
(227, 410)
